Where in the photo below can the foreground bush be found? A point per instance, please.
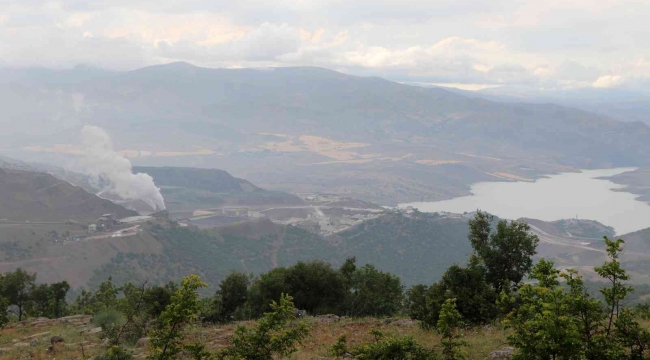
(383, 348)
(275, 335)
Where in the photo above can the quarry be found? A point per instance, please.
(322, 214)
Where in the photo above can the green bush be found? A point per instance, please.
(115, 353)
(383, 348)
(107, 318)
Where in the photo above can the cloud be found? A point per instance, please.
(550, 45)
(264, 43)
(608, 82)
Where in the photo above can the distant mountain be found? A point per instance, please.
(32, 196)
(306, 129)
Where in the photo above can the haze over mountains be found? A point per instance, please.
(310, 129)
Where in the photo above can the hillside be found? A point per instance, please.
(636, 182)
(189, 188)
(419, 247)
(36, 197)
(306, 129)
(416, 248)
(578, 228)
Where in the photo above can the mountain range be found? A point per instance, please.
(307, 129)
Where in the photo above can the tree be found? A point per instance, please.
(233, 293)
(275, 335)
(316, 287)
(588, 314)
(103, 299)
(616, 275)
(41, 301)
(448, 324)
(166, 339)
(106, 296)
(375, 293)
(347, 269)
(505, 253)
(475, 297)
(133, 308)
(17, 288)
(543, 325)
(48, 300)
(4, 318)
(59, 291)
(158, 297)
(416, 302)
(267, 289)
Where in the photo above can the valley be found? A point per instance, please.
(263, 169)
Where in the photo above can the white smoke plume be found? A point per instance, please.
(114, 173)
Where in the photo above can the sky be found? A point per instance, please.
(470, 44)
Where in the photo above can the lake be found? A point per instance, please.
(556, 197)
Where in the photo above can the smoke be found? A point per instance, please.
(113, 173)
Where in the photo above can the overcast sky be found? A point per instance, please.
(549, 44)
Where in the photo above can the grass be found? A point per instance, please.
(482, 341)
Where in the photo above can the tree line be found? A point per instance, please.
(550, 313)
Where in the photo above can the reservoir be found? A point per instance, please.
(555, 197)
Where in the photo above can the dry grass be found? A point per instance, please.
(322, 336)
(481, 341)
(71, 349)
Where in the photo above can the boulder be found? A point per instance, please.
(33, 343)
(502, 354)
(21, 344)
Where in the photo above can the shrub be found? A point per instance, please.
(274, 336)
(383, 348)
(107, 318)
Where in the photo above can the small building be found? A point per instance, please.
(92, 228)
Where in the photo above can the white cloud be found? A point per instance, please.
(552, 44)
(608, 81)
